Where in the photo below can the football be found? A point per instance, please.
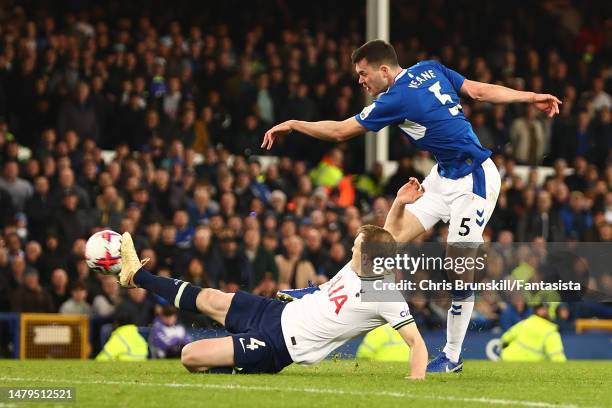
(102, 252)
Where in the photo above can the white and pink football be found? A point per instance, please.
(102, 252)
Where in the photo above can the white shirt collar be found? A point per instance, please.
(401, 74)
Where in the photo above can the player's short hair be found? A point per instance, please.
(372, 233)
(377, 242)
(376, 52)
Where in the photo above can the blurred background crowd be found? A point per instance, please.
(147, 117)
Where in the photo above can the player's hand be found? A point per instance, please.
(282, 129)
(549, 104)
(410, 192)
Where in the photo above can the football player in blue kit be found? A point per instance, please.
(462, 188)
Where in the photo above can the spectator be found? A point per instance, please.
(109, 206)
(59, 288)
(238, 270)
(8, 208)
(514, 311)
(528, 139)
(371, 184)
(131, 122)
(601, 134)
(243, 193)
(167, 336)
(203, 249)
(564, 320)
(104, 304)
(166, 250)
(533, 339)
(33, 252)
(294, 271)
(315, 253)
(196, 273)
(486, 311)
(66, 182)
(165, 194)
(336, 260)
(172, 99)
(542, 221)
(577, 181)
(125, 343)
(30, 297)
(79, 115)
(71, 223)
(18, 267)
(404, 172)
(583, 143)
(137, 307)
(329, 171)
(577, 220)
(39, 209)
(265, 100)
(184, 231)
(51, 257)
(598, 97)
(19, 189)
(265, 269)
(424, 315)
(483, 131)
(77, 304)
(14, 245)
(564, 129)
(201, 208)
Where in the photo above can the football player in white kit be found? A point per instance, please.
(266, 334)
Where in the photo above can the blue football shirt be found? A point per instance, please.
(424, 103)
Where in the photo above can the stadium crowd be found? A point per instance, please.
(182, 100)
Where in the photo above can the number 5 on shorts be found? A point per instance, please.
(464, 229)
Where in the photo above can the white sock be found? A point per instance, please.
(457, 322)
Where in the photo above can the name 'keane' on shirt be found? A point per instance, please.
(420, 78)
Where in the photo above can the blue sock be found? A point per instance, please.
(177, 292)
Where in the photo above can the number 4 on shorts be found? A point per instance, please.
(254, 344)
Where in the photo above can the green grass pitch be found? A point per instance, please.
(342, 383)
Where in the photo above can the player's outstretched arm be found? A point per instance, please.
(418, 351)
(328, 130)
(480, 91)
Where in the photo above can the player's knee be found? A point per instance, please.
(204, 299)
(211, 300)
(189, 358)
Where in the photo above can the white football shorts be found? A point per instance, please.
(466, 203)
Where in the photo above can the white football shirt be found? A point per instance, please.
(318, 323)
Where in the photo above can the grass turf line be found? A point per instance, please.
(332, 383)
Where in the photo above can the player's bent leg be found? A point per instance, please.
(419, 216)
(214, 303)
(182, 295)
(202, 355)
(185, 296)
(407, 228)
(422, 214)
